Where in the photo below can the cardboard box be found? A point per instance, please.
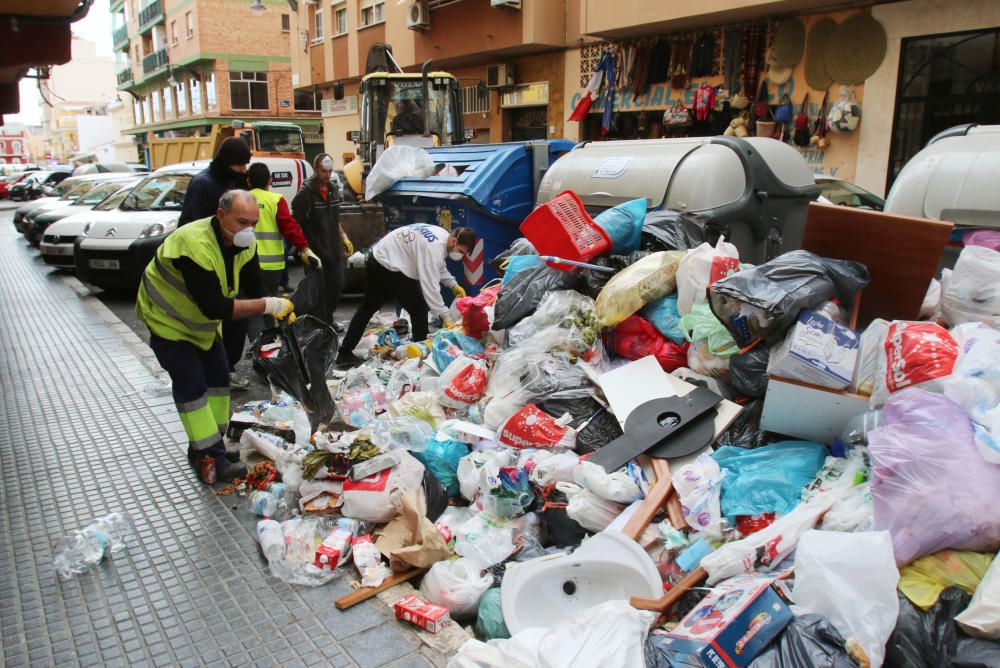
(334, 550)
(419, 612)
(730, 626)
(816, 350)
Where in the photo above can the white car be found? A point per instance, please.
(65, 192)
(36, 223)
(58, 239)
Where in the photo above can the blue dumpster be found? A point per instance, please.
(493, 191)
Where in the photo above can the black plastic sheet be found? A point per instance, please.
(594, 281)
(673, 230)
(309, 297)
(525, 291)
(435, 494)
(309, 348)
(809, 640)
(748, 372)
(596, 426)
(558, 528)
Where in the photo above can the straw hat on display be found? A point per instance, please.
(856, 49)
(817, 76)
(789, 43)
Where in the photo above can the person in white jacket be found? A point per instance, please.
(408, 266)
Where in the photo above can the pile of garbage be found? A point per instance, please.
(586, 468)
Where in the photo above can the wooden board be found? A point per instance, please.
(809, 412)
(365, 593)
(901, 252)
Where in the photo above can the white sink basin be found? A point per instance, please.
(544, 591)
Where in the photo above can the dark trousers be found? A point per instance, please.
(234, 340)
(382, 286)
(270, 282)
(333, 284)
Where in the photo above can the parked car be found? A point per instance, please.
(5, 186)
(138, 167)
(101, 168)
(66, 191)
(36, 224)
(31, 187)
(112, 251)
(845, 193)
(59, 238)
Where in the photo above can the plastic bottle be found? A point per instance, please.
(84, 549)
(271, 539)
(419, 350)
(263, 503)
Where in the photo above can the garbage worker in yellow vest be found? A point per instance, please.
(186, 292)
(275, 226)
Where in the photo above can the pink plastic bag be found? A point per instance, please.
(931, 489)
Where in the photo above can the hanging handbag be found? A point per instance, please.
(739, 101)
(819, 138)
(783, 112)
(760, 108)
(678, 116)
(800, 137)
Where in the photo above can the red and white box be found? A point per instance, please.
(334, 550)
(419, 612)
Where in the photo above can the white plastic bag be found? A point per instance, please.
(930, 309)
(982, 617)
(609, 635)
(557, 468)
(616, 486)
(850, 578)
(701, 267)
(485, 540)
(462, 383)
(397, 162)
(589, 510)
(974, 384)
(698, 486)
(853, 512)
(370, 498)
(913, 353)
(419, 404)
(870, 348)
(457, 585)
(971, 292)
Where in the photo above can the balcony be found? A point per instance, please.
(150, 15)
(121, 38)
(125, 76)
(154, 61)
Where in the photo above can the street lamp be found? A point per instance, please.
(257, 7)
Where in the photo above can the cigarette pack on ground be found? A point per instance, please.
(816, 350)
(419, 612)
(730, 626)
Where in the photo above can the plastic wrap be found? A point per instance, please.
(521, 296)
(567, 309)
(623, 223)
(629, 290)
(768, 479)
(762, 302)
(700, 268)
(929, 480)
(673, 230)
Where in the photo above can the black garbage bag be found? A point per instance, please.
(777, 290)
(596, 426)
(745, 431)
(748, 372)
(673, 230)
(309, 297)
(932, 639)
(809, 640)
(558, 528)
(519, 246)
(435, 494)
(299, 367)
(525, 291)
(594, 281)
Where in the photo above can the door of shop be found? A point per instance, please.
(944, 80)
(528, 123)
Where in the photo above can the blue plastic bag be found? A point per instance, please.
(519, 263)
(449, 344)
(489, 622)
(767, 479)
(663, 315)
(441, 459)
(623, 224)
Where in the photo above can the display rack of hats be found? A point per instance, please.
(754, 62)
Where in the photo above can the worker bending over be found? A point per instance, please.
(407, 265)
(186, 292)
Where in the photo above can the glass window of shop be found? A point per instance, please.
(195, 95)
(168, 102)
(180, 92)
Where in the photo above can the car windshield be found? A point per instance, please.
(115, 200)
(280, 140)
(99, 192)
(844, 193)
(163, 192)
(63, 189)
(76, 190)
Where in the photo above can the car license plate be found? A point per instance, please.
(103, 264)
(66, 250)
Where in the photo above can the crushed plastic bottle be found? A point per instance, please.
(82, 550)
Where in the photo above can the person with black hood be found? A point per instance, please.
(316, 207)
(227, 171)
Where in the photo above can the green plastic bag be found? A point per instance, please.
(489, 621)
(702, 325)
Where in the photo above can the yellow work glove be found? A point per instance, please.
(458, 291)
(348, 246)
(448, 324)
(311, 259)
(280, 308)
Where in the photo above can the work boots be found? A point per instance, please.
(212, 465)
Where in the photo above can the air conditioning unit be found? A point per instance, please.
(506, 4)
(499, 76)
(418, 16)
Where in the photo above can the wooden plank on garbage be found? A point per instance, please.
(902, 254)
(655, 499)
(365, 593)
(668, 600)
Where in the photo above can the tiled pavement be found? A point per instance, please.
(80, 438)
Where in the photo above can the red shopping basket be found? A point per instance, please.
(562, 227)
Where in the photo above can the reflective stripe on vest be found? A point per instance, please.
(270, 243)
(164, 302)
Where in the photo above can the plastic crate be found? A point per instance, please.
(562, 227)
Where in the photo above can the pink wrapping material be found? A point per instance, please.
(931, 489)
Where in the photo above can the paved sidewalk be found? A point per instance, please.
(78, 439)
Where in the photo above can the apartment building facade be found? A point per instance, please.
(189, 64)
(13, 145)
(939, 66)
